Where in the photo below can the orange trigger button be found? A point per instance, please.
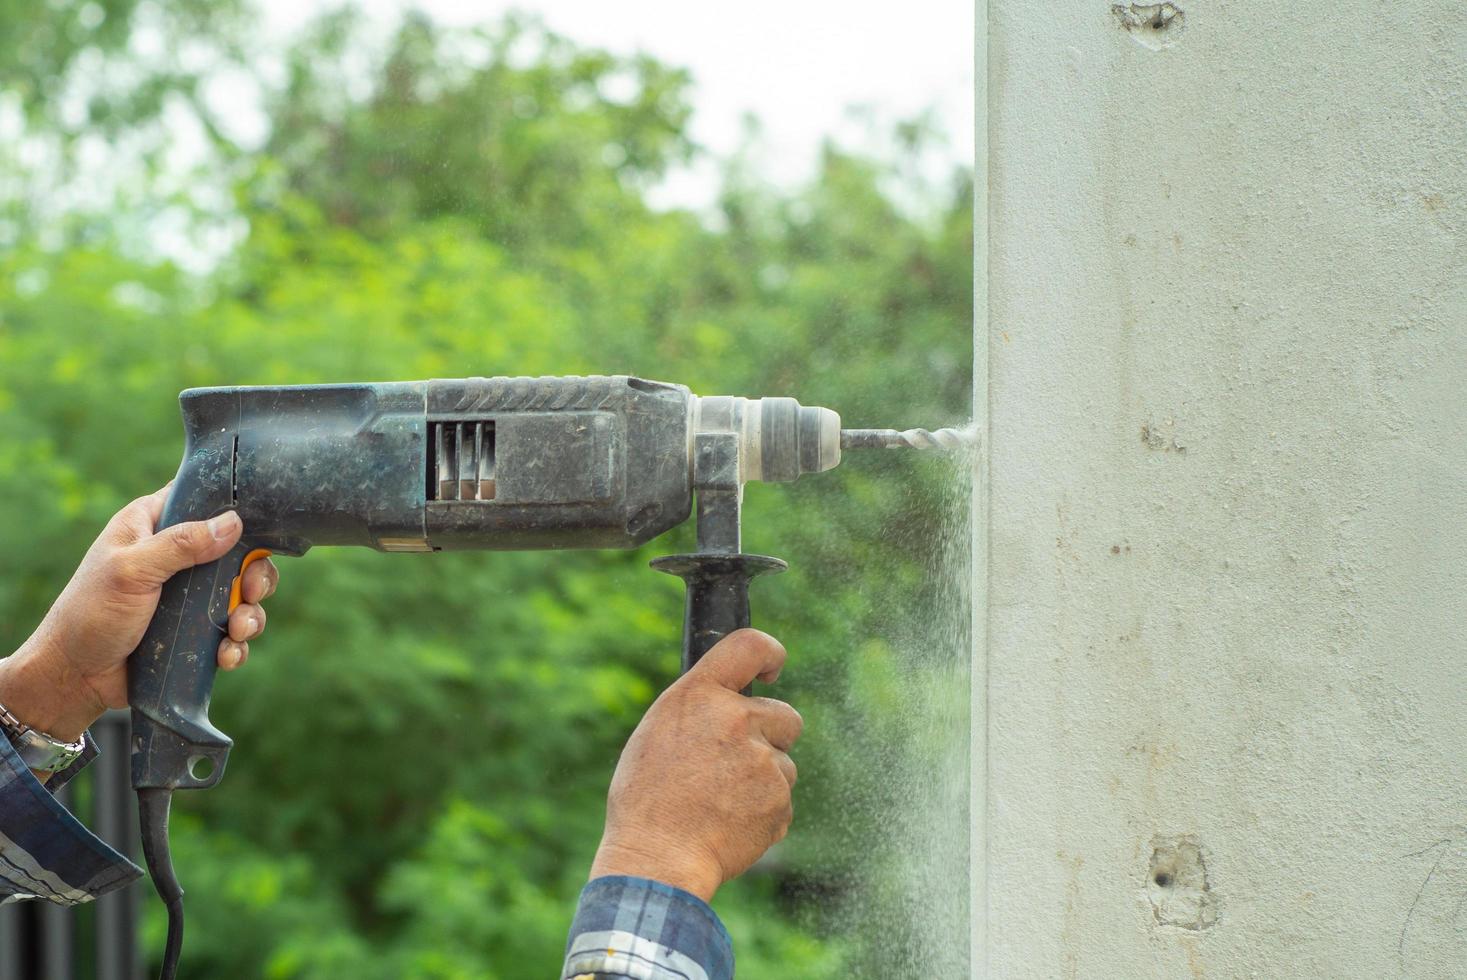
(238, 582)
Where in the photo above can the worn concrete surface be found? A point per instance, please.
(1227, 424)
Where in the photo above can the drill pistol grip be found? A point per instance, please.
(170, 676)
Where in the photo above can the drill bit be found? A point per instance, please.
(947, 440)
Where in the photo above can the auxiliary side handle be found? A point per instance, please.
(717, 601)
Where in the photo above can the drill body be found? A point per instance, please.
(488, 463)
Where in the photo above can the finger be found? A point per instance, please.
(260, 581)
(153, 503)
(787, 768)
(779, 723)
(160, 557)
(136, 521)
(232, 653)
(246, 622)
(739, 658)
(783, 821)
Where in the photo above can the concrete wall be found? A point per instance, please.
(1226, 605)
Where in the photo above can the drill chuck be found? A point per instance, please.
(779, 439)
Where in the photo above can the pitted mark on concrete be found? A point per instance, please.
(1162, 438)
(1177, 884)
(1152, 25)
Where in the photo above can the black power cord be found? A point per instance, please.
(153, 805)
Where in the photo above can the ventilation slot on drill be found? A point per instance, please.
(460, 460)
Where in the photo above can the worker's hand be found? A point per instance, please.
(74, 666)
(703, 785)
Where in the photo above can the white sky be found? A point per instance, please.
(797, 65)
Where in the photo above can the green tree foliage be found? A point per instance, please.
(481, 210)
(48, 50)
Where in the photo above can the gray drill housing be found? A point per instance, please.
(496, 463)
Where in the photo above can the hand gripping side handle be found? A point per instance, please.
(717, 600)
(170, 676)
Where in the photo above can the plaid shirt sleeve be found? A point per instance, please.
(637, 929)
(45, 852)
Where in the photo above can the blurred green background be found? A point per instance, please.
(450, 203)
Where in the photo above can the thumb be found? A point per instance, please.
(740, 657)
(171, 550)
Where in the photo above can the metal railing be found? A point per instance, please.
(41, 941)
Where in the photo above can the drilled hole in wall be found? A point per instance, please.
(1177, 884)
(1152, 25)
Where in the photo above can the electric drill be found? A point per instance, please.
(489, 463)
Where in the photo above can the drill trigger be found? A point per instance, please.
(237, 584)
